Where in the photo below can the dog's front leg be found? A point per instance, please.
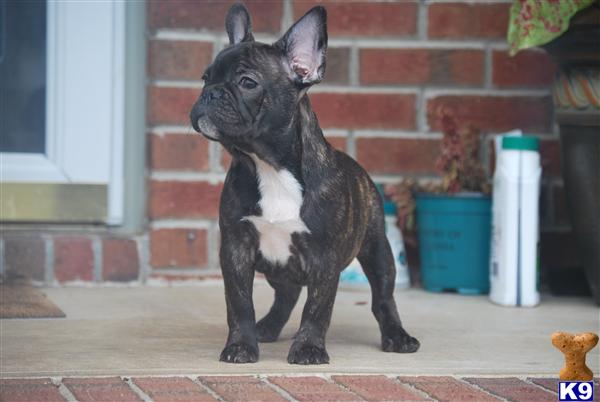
(238, 253)
(309, 342)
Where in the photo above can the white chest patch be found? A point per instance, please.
(281, 199)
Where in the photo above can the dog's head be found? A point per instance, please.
(252, 89)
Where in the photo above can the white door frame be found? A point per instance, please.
(85, 96)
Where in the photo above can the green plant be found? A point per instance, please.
(534, 22)
(458, 165)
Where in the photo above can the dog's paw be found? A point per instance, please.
(307, 354)
(267, 331)
(399, 341)
(239, 353)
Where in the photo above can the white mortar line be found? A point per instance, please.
(138, 391)
(185, 84)
(162, 130)
(409, 43)
(209, 390)
(214, 157)
(212, 245)
(423, 20)
(63, 390)
(419, 135)
(204, 36)
(329, 379)
(183, 271)
(476, 386)
(181, 223)
(380, 42)
(433, 92)
(488, 69)
(2, 263)
(211, 177)
(528, 381)
(143, 248)
(97, 256)
(411, 387)
(409, 90)
(354, 67)
(333, 132)
(280, 391)
(287, 16)
(421, 111)
(49, 260)
(351, 144)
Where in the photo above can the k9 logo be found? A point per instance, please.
(576, 391)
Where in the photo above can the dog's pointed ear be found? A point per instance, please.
(238, 25)
(305, 46)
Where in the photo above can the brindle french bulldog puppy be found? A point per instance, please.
(292, 207)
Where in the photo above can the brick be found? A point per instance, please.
(120, 260)
(378, 388)
(422, 66)
(528, 68)
(182, 199)
(107, 389)
(313, 389)
(179, 152)
(550, 158)
(551, 384)
(225, 159)
(178, 248)
(25, 255)
(29, 390)
(495, 113)
(337, 69)
(73, 259)
(447, 389)
(397, 155)
(170, 105)
(338, 143)
(462, 20)
(173, 389)
(172, 59)
(364, 110)
(210, 15)
(241, 389)
(364, 18)
(513, 389)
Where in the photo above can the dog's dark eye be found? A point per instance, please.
(248, 83)
(204, 77)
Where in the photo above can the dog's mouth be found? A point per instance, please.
(206, 128)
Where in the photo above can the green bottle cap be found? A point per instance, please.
(521, 143)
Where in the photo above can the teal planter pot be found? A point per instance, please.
(454, 241)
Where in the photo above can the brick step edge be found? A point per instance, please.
(281, 388)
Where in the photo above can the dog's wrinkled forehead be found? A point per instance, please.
(259, 58)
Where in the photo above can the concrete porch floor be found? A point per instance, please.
(181, 330)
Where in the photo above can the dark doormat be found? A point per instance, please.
(18, 299)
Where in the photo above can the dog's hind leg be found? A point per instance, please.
(377, 262)
(270, 326)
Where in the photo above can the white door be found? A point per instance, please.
(61, 111)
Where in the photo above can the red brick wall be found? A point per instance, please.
(389, 65)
